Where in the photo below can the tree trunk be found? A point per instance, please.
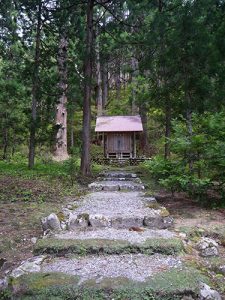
(72, 137)
(144, 135)
(61, 153)
(134, 65)
(190, 133)
(5, 145)
(35, 89)
(85, 157)
(99, 78)
(160, 5)
(118, 83)
(167, 129)
(104, 85)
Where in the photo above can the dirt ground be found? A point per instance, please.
(187, 212)
(23, 202)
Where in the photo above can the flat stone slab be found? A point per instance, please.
(131, 236)
(137, 267)
(99, 246)
(118, 210)
(116, 185)
(136, 179)
(155, 279)
(117, 174)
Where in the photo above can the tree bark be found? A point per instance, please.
(5, 145)
(118, 83)
(144, 135)
(167, 129)
(61, 152)
(72, 137)
(35, 89)
(85, 157)
(134, 65)
(104, 85)
(190, 134)
(99, 78)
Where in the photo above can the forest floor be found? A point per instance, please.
(25, 199)
(188, 212)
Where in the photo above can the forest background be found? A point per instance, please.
(62, 63)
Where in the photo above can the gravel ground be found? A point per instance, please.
(114, 234)
(136, 267)
(113, 204)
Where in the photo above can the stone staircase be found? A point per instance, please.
(117, 181)
(114, 243)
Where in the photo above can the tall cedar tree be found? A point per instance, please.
(35, 87)
(85, 156)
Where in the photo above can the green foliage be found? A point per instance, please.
(72, 166)
(205, 149)
(6, 294)
(96, 151)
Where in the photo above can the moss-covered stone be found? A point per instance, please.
(168, 285)
(193, 233)
(164, 212)
(217, 232)
(83, 216)
(61, 216)
(153, 205)
(215, 263)
(101, 246)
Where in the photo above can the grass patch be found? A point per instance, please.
(168, 285)
(102, 246)
(26, 196)
(194, 233)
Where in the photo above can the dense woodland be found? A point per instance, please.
(64, 62)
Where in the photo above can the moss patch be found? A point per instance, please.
(153, 205)
(164, 212)
(169, 285)
(214, 264)
(194, 233)
(61, 216)
(218, 232)
(101, 246)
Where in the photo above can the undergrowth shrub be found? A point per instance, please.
(197, 162)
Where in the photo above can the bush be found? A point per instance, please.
(197, 162)
(96, 151)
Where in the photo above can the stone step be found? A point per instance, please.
(118, 210)
(118, 174)
(111, 241)
(136, 179)
(127, 276)
(116, 185)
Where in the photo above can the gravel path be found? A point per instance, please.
(114, 234)
(115, 204)
(136, 267)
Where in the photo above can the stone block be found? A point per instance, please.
(51, 223)
(207, 247)
(158, 222)
(78, 221)
(99, 221)
(127, 222)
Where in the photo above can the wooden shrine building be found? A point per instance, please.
(119, 135)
